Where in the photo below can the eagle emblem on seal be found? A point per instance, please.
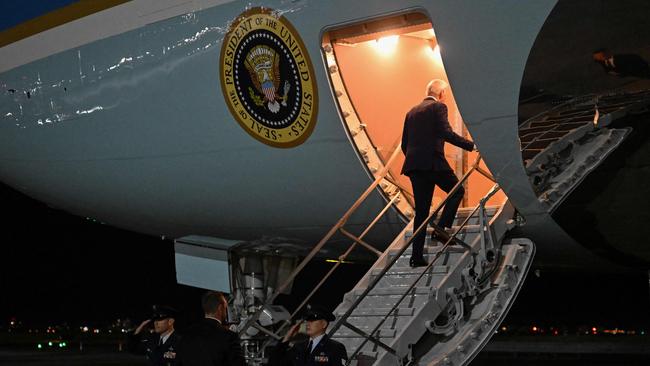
(263, 65)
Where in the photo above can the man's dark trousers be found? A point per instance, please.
(424, 182)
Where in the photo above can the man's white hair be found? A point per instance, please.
(435, 87)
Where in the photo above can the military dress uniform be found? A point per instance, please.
(151, 345)
(327, 351)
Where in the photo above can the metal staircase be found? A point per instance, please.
(441, 314)
(562, 145)
(387, 317)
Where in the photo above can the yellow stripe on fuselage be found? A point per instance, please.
(56, 18)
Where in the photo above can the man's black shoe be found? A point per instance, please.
(418, 262)
(443, 236)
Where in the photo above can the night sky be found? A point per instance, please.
(59, 267)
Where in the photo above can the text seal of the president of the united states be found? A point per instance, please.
(268, 80)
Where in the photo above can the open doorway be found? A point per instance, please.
(379, 69)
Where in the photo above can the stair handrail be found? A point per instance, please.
(337, 227)
(370, 336)
(343, 319)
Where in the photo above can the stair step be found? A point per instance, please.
(464, 211)
(393, 291)
(467, 229)
(379, 312)
(351, 345)
(408, 271)
(458, 240)
(348, 333)
(428, 249)
(403, 263)
(371, 302)
(408, 278)
(389, 322)
(431, 248)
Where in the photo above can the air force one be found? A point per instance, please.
(262, 134)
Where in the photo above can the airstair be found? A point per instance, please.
(440, 314)
(562, 145)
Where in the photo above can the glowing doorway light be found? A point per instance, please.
(434, 53)
(386, 45)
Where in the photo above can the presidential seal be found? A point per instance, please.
(268, 80)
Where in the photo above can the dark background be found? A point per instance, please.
(58, 268)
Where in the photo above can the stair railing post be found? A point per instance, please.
(480, 207)
(385, 170)
(423, 226)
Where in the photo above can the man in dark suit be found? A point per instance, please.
(160, 346)
(622, 65)
(426, 129)
(209, 342)
(320, 350)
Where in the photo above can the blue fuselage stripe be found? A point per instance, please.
(14, 12)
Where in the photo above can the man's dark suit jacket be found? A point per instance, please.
(426, 129)
(628, 65)
(208, 343)
(327, 352)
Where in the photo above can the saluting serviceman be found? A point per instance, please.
(160, 345)
(319, 350)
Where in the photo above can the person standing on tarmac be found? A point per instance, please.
(159, 346)
(209, 342)
(320, 350)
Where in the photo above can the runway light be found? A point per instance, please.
(387, 45)
(49, 344)
(39, 346)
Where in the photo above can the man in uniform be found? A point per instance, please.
(319, 350)
(426, 129)
(159, 346)
(209, 342)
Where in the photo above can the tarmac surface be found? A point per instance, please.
(532, 351)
